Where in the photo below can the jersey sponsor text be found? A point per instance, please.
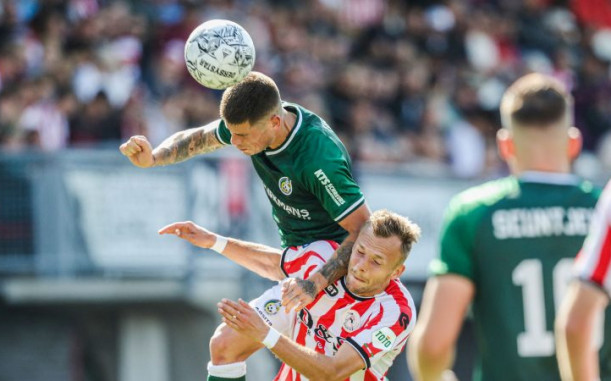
(304, 214)
(540, 222)
(324, 180)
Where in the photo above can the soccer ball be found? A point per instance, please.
(219, 54)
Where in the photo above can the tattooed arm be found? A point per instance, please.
(297, 293)
(179, 147)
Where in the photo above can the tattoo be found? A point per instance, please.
(337, 266)
(186, 144)
(308, 287)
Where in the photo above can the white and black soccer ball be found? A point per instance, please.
(219, 54)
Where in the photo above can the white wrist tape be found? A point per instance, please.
(220, 244)
(272, 338)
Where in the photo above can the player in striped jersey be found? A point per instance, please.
(586, 300)
(353, 329)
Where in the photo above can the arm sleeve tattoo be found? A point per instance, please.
(186, 144)
(337, 266)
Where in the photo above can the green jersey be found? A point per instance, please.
(308, 180)
(516, 239)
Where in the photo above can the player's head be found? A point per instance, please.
(537, 117)
(251, 109)
(379, 252)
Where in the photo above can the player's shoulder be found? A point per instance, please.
(484, 196)
(397, 302)
(314, 133)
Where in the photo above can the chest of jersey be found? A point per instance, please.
(286, 193)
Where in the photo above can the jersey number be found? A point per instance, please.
(536, 340)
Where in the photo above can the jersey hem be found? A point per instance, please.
(595, 285)
(345, 213)
(360, 350)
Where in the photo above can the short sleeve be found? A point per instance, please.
(329, 179)
(223, 134)
(593, 263)
(456, 248)
(383, 334)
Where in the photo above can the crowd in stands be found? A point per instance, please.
(408, 82)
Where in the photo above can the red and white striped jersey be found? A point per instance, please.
(377, 327)
(594, 259)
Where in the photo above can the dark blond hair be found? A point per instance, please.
(536, 100)
(250, 100)
(386, 224)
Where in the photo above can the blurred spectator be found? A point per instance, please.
(404, 82)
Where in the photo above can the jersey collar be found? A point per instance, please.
(293, 131)
(549, 178)
(353, 295)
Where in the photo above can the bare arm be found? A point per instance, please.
(577, 358)
(178, 147)
(260, 259)
(185, 144)
(297, 294)
(315, 366)
(444, 304)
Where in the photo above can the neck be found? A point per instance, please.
(287, 122)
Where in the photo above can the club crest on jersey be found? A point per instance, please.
(285, 185)
(352, 320)
(383, 338)
(272, 307)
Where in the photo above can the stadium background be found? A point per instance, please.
(90, 292)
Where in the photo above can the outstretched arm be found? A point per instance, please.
(315, 366)
(260, 259)
(297, 293)
(176, 148)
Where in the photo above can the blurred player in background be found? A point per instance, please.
(586, 301)
(508, 245)
(353, 329)
(306, 173)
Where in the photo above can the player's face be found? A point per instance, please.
(373, 263)
(253, 138)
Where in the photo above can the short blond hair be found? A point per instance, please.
(385, 223)
(536, 100)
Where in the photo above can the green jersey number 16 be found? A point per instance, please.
(536, 340)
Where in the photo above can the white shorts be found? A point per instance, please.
(270, 308)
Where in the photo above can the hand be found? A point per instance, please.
(191, 232)
(243, 319)
(297, 293)
(139, 151)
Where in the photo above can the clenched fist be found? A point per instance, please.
(139, 151)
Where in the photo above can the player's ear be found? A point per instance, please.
(575, 142)
(398, 271)
(505, 144)
(276, 121)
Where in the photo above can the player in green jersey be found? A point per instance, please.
(507, 246)
(306, 173)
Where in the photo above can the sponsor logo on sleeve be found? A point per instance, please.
(403, 320)
(272, 307)
(329, 187)
(352, 320)
(285, 185)
(383, 338)
(331, 290)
